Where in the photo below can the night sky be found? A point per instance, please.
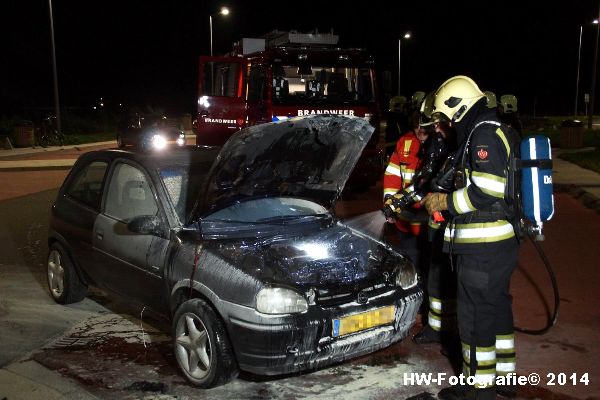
(146, 52)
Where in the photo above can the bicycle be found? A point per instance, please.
(48, 134)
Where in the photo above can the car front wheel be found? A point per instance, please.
(202, 349)
(63, 281)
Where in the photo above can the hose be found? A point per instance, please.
(552, 320)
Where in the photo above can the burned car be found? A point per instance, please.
(239, 247)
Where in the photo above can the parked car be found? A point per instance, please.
(239, 246)
(149, 133)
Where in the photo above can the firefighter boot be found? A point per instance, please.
(427, 335)
(507, 390)
(465, 392)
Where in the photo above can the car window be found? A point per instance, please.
(129, 194)
(86, 187)
(267, 208)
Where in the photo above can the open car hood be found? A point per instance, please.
(308, 157)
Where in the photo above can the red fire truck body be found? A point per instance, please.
(285, 75)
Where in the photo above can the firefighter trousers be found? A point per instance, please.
(441, 290)
(484, 310)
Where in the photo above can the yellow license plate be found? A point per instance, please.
(362, 321)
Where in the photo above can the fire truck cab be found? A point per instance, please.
(284, 75)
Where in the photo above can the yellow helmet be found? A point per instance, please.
(417, 98)
(397, 103)
(455, 97)
(509, 103)
(426, 110)
(491, 99)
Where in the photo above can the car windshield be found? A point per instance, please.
(183, 174)
(267, 210)
(293, 84)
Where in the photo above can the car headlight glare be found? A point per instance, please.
(159, 142)
(406, 275)
(274, 300)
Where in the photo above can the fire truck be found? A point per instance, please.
(287, 74)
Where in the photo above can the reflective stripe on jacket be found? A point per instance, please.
(400, 172)
(485, 179)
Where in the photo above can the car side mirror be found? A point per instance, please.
(146, 225)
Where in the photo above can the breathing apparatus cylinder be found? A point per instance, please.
(536, 182)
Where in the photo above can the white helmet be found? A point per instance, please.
(455, 97)
(509, 103)
(491, 99)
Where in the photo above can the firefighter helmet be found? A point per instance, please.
(455, 97)
(426, 110)
(508, 103)
(397, 103)
(491, 99)
(417, 98)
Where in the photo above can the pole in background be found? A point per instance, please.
(223, 11)
(406, 36)
(56, 99)
(578, 64)
(593, 96)
(210, 24)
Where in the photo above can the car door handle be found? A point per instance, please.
(100, 235)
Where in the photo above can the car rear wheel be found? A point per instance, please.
(63, 281)
(202, 348)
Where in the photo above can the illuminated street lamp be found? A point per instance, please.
(54, 70)
(593, 96)
(223, 11)
(406, 36)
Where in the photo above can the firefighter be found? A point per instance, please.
(397, 123)
(399, 175)
(509, 113)
(440, 325)
(491, 99)
(479, 236)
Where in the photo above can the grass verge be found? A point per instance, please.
(585, 159)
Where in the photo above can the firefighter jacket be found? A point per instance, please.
(399, 174)
(479, 221)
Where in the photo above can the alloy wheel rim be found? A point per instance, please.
(192, 346)
(56, 274)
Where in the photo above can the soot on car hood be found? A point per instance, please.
(309, 157)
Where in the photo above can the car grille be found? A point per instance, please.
(327, 299)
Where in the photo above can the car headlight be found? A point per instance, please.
(159, 142)
(274, 300)
(406, 275)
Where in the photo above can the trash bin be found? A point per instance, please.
(571, 134)
(24, 134)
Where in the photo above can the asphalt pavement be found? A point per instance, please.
(571, 345)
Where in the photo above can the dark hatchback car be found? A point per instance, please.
(240, 248)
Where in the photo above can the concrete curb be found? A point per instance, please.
(36, 165)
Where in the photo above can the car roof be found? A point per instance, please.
(174, 156)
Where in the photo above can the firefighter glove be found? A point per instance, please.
(435, 202)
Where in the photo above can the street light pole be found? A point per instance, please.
(578, 64)
(56, 99)
(211, 42)
(223, 11)
(406, 36)
(593, 95)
